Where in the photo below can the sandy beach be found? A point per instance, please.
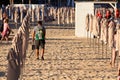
(66, 58)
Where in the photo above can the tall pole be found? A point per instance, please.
(11, 1)
(48, 2)
(22, 1)
(29, 1)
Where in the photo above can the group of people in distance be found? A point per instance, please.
(112, 28)
(105, 25)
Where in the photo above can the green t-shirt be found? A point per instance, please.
(39, 33)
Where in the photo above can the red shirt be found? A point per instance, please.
(108, 14)
(99, 14)
(117, 13)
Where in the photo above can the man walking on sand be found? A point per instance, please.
(38, 36)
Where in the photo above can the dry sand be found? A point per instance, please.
(66, 58)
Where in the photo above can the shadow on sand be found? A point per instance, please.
(2, 74)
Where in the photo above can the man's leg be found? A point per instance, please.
(114, 54)
(37, 53)
(37, 48)
(42, 49)
(42, 52)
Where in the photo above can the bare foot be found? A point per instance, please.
(112, 64)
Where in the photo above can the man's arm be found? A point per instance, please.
(44, 30)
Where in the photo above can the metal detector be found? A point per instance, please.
(33, 48)
(31, 53)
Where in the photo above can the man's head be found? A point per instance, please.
(40, 22)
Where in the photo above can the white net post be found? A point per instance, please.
(38, 13)
(71, 15)
(43, 13)
(68, 16)
(21, 14)
(55, 14)
(63, 16)
(58, 16)
(33, 15)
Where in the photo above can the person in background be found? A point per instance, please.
(108, 14)
(38, 36)
(6, 30)
(117, 13)
(4, 16)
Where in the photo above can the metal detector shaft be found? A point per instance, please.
(31, 53)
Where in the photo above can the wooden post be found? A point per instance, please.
(58, 16)
(43, 13)
(11, 1)
(63, 16)
(67, 15)
(33, 15)
(55, 13)
(22, 1)
(12, 12)
(71, 15)
(38, 13)
(29, 1)
(21, 11)
(16, 18)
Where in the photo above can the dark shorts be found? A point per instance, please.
(39, 43)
